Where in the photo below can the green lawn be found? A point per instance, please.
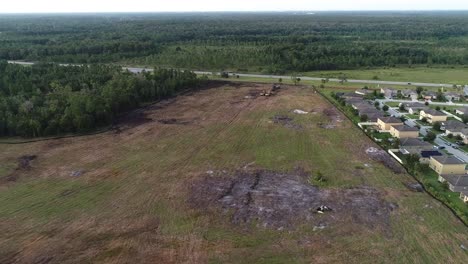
(416, 74)
(393, 104)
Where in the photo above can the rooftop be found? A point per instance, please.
(414, 142)
(433, 112)
(460, 180)
(448, 160)
(390, 119)
(405, 128)
(454, 124)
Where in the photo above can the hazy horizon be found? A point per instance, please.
(183, 6)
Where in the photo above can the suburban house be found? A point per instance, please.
(352, 95)
(432, 116)
(464, 196)
(465, 90)
(385, 123)
(414, 146)
(404, 131)
(388, 93)
(375, 116)
(451, 96)
(410, 94)
(425, 155)
(456, 183)
(447, 165)
(414, 107)
(362, 105)
(461, 111)
(453, 127)
(353, 100)
(429, 95)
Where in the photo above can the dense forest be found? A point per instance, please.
(47, 99)
(262, 42)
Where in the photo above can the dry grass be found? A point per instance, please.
(130, 205)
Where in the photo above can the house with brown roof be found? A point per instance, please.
(447, 165)
(432, 116)
(385, 123)
(404, 131)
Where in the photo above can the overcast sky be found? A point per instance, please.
(40, 6)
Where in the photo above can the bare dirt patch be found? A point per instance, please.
(334, 118)
(283, 200)
(385, 158)
(286, 121)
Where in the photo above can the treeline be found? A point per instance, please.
(269, 42)
(47, 99)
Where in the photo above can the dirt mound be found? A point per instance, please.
(286, 200)
(286, 121)
(385, 158)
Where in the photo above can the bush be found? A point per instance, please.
(450, 136)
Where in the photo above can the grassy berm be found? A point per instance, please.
(220, 175)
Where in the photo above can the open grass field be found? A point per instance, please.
(219, 176)
(416, 74)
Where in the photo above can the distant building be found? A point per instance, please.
(451, 96)
(429, 95)
(464, 196)
(388, 93)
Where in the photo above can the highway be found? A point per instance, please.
(276, 77)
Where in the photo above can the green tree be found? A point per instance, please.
(436, 126)
(385, 108)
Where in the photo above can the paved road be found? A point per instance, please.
(383, 101)
(456, 152)
(285, 77)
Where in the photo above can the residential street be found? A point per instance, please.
(423, 130)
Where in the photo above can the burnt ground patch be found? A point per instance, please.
(284, 200)
(385, 158)
(286, 121)
(23, 164)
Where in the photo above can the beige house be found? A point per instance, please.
(432, 116)
(447, 165)
(404, 131)
(385, 123)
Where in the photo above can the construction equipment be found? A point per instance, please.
(271, 91)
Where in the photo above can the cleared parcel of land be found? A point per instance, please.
(221, 175)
